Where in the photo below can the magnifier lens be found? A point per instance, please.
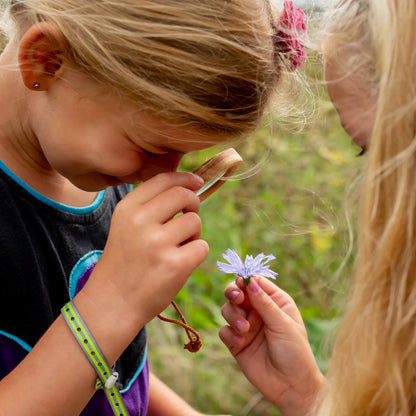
(216, 170)
(210, 184)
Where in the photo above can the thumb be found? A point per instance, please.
(271, 314)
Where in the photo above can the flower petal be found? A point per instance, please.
(250, 267)
(232, 257)
(236, 266)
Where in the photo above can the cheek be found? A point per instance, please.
(358, 122)
(124, 165)
(360, 134)
(354, 107)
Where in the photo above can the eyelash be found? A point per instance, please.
(150, 154)
(362, 152)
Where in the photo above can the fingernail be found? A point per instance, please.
(254, 287)
(239, 325)
(237, 339)
(234, 294)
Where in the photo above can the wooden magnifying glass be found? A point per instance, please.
(217, 170)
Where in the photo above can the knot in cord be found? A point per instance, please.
(195, 342)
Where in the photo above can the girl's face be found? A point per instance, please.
(96, 139)
(353, 102)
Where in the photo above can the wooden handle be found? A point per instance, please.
(221, 167)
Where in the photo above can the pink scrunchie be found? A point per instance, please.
(289, 27)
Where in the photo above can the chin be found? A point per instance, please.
(89, 185)
(92, 188)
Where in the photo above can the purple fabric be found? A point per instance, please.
(84, 277)
(98, 405)
(136, 397)
(11, 353)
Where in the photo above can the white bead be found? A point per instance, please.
(109, 384)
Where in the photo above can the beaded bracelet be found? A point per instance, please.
(107, 377)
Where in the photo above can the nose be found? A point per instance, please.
(152, 165)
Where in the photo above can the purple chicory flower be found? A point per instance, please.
(251, 266)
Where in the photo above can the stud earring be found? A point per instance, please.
(36, 85)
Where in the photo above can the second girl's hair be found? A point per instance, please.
(208, 64)
(373, 368)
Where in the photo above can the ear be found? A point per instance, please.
(40, 56)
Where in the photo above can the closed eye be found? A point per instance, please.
(150, 154)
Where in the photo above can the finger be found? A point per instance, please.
(192, 255)
(172, 201)
(282, 299)
(240, 283)
(234, 294)
(233, 341)
(272, 315)
(235, 317)
(163, 181)
(184, 228)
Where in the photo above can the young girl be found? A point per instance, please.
(371, 76)
(94, 95)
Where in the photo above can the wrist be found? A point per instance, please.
(107, 376)
(300, 401)
(108, 319)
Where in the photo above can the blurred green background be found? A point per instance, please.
(294, 197)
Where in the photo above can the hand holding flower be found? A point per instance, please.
(267, 337)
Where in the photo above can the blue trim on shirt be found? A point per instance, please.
(51, 202)
(137, 373)
(28, 348)
(23, 344)
(82, 264)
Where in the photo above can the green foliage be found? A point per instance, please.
(292, 207)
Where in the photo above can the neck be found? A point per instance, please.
(20, 150)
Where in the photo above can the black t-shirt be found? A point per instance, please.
(47, 252)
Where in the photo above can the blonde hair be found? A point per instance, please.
(373, 368)
(208, 64)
